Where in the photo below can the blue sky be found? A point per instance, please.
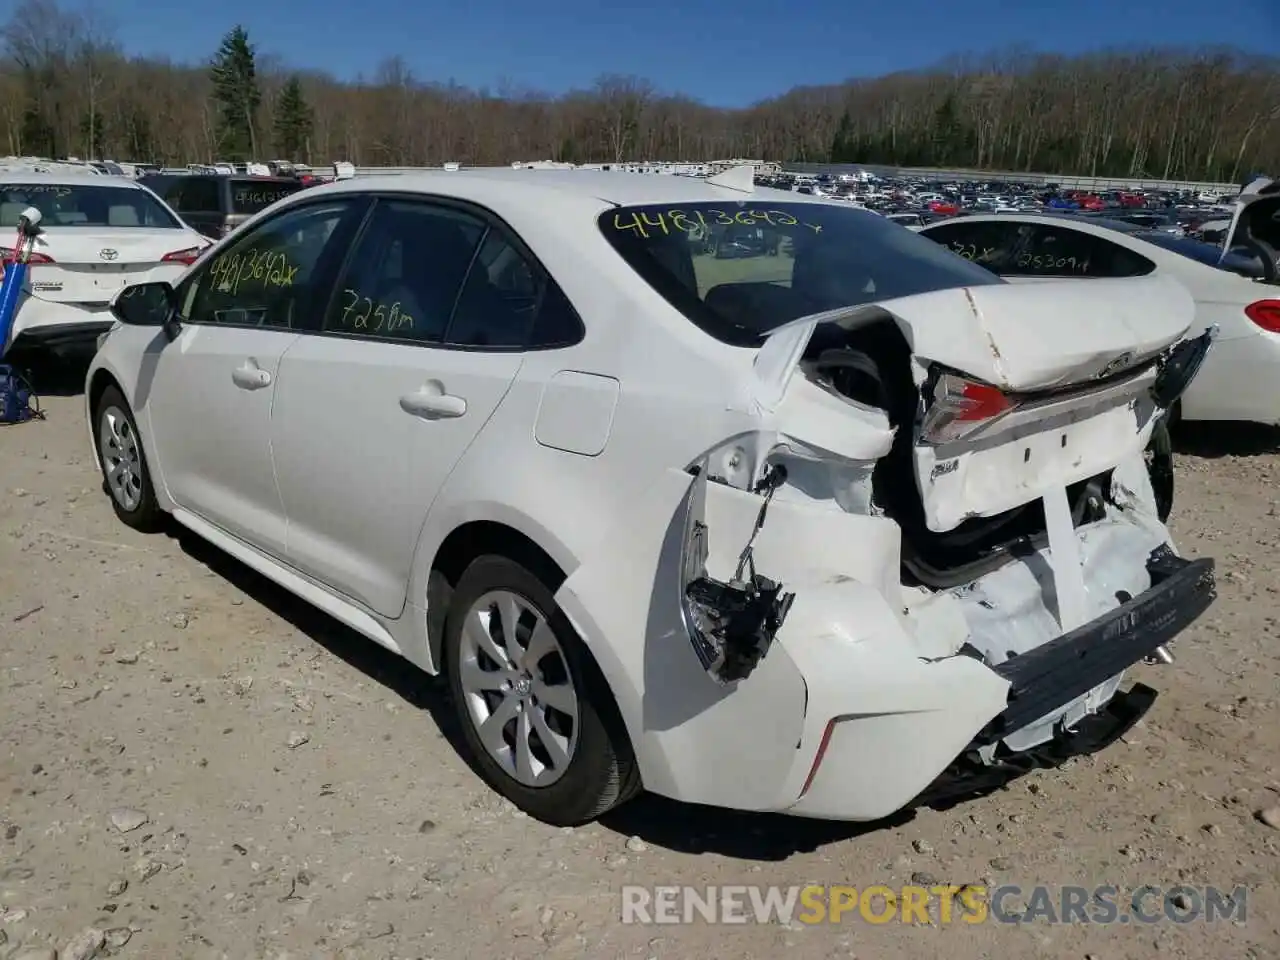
(721, 51)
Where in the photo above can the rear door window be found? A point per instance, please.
(406, 273)
(988, 243)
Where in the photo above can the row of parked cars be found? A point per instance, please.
(915, 200)
(741, 496)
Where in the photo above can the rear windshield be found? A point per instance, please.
(740, 270)
(81, 205)
(254, 196)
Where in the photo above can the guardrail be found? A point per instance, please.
(935, 173)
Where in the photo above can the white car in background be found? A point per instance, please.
(823, 526)
(1238, 291)
(97, 234)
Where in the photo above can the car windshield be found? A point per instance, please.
(82, 205)
(1236, 261)
(740, 270)
(254, 196)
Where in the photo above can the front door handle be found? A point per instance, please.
(251, 376)
(432, 403)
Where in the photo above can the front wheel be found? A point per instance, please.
(536, 714)
(124, 466)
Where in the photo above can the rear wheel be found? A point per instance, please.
(537, 716)
(124, 467)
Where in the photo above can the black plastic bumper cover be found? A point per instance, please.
(1051, 675)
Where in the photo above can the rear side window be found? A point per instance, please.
(76, 205)
(254, 196)
(1059, 251)
(509, 302)
(498, 300)
(1019, 249)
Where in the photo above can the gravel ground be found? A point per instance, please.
(196, 765)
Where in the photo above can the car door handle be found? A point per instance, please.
(251, 376)
(433, 405)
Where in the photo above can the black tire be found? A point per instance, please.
(145, 515)
(602, 772)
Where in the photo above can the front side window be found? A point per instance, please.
(80, 205)
(740, 270)
(275, 276)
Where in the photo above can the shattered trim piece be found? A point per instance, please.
(1055, 673)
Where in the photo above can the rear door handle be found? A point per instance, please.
(250, 376)
(433, 404)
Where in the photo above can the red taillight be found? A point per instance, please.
(187, 256)
(981, 402)
(1265, 313)
(960, 407)
(6, 254)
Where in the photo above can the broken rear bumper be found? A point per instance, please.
(1043, 679)
(1037, 683)
(970, 777)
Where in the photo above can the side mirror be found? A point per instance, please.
(144, 304)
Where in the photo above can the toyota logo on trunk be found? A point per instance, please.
(108, 254)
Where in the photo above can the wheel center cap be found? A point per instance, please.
(522, 686)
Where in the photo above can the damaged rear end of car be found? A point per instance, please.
(926, 560)
(1014, 468)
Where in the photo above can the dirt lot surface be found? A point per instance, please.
(195, 765)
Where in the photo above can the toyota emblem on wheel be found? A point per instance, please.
(108, 254)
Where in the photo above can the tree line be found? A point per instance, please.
(68, 89)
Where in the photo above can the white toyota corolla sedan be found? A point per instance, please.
(742, 497)
(97, 234)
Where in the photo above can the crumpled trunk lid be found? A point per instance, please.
(1019, 338)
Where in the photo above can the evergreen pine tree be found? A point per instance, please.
(293, 121)
(235, 90)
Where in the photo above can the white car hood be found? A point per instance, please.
(1016, 337)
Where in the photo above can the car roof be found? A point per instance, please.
(613, 187)
(68, 179)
